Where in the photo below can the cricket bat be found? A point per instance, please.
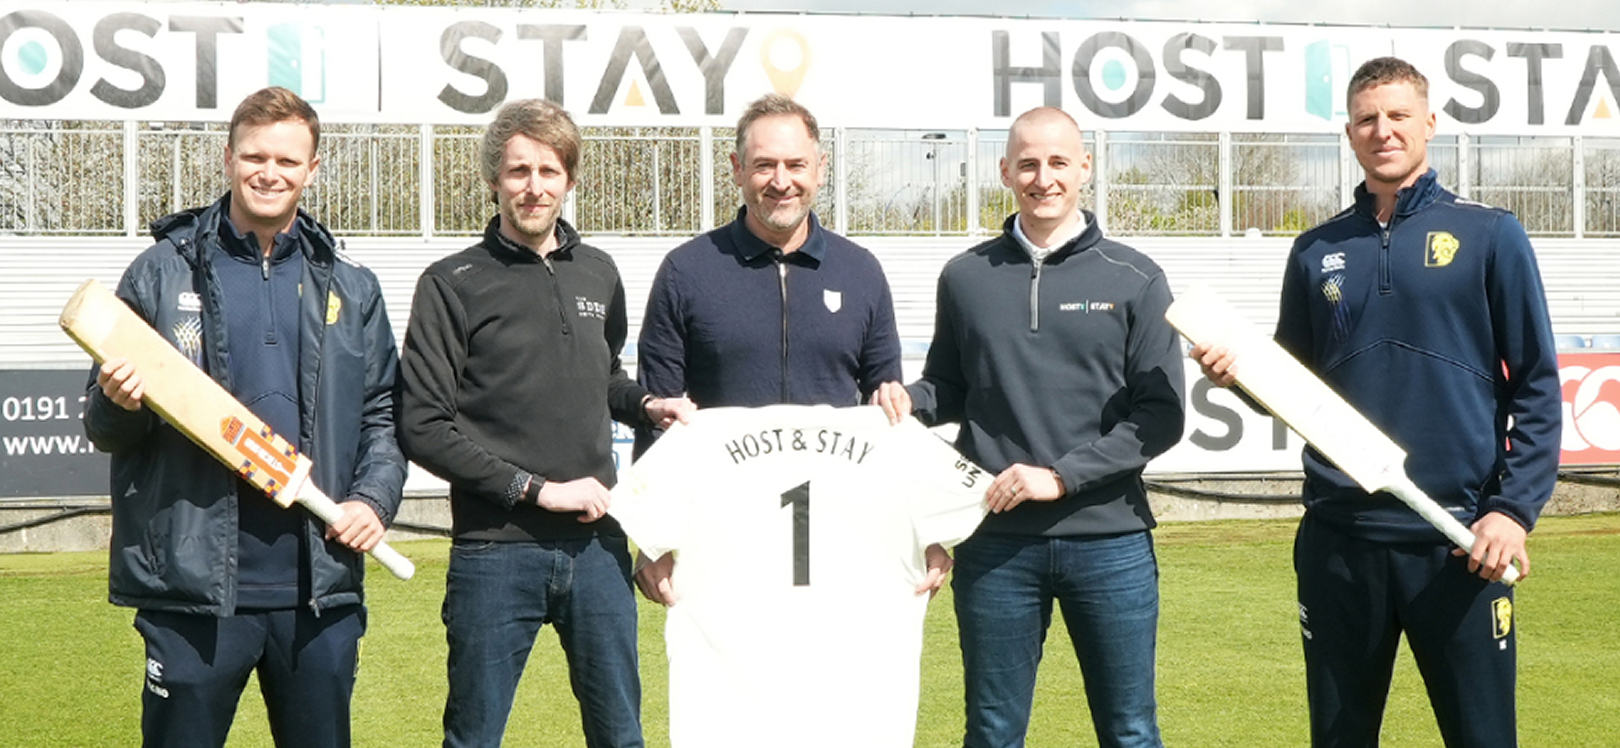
(1278, 381)
(195, 404)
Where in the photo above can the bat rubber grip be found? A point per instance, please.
(1414, 497)
(319, 504)
(399, 565)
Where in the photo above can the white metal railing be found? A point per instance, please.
(112, 178)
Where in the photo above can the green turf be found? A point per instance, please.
(1229, 666)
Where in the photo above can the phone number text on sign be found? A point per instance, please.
(41, 408)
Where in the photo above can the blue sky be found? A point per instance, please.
(1517, 14)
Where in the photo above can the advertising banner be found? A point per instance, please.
(393, 64)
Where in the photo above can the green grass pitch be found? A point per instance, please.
(1229, 663)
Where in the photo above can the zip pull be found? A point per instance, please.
(264, 267)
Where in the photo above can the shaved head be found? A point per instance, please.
(1040, 116)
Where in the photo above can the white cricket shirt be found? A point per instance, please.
(799, 534)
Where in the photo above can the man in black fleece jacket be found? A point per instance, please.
(1051, 350)
(511, 373)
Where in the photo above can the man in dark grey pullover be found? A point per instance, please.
(1051, 350)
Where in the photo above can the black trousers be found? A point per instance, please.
(198, 665)
(1357, 597)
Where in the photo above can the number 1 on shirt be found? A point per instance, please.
(799, 498)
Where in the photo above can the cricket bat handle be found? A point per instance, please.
(324, 507)
(1414, 497)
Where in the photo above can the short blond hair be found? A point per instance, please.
(1381, 71)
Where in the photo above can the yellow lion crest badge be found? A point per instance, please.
(1442, 249)
(1502, 612)
(333, 306)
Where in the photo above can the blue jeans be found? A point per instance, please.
(1108, 588)
(497, 595)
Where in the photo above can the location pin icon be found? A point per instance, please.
(785, 55)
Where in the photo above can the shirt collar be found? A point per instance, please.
(750, 246)
(566, 239)
(1039, 253)
(246, 246)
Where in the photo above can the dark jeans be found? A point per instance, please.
(497, 596)
(1108, 588)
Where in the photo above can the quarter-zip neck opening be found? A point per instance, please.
(1037, 258)
(267, 299)
(1035, 294)
(246, 248)
(556, 294)
(1384, 285)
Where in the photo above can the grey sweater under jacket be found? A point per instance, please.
(1067, 364)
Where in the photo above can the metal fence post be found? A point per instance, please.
(31, 213)
(971, 182)
(1223, 183)
(1099, 176)
(840, 180)
(1465, 187)
(1349, 170)
(373, 153)
(424, 175)
(1578, 185)
(658, 194)
(132, 176)
(706, 177)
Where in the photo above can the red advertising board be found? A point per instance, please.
(1591, 384)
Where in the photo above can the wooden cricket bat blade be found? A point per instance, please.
(1283, 385)
(195, 405)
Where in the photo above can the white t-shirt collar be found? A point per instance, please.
(1039, 253)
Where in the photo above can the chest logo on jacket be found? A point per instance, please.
(591, 309)
(1442, 248)
(833, 299)
(189, 301)
(333, 306)
(1086, 306)
(188, 338)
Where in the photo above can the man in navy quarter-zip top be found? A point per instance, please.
(771, 308)
(1426, 312)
